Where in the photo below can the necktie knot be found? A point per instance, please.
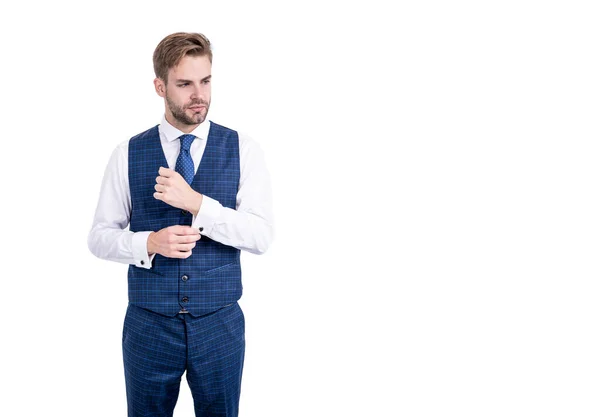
(186, 142)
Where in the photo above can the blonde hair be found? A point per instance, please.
(174, 47)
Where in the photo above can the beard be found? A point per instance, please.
(179, 112)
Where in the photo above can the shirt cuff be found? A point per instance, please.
(139, 243)
(209, 212)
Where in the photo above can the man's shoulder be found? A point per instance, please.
(123, 147)
(153, 131)
(243, 138)
(221, 128)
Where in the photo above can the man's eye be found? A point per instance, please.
(183, 85)
(206, 81)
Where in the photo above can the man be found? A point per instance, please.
(194, 194)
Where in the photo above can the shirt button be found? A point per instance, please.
(185, 299)
(184, 278)
(142, 262)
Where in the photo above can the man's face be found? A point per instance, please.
(187, 93)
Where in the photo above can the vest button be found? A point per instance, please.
(184, 278)
(183, 212)
(185, 299)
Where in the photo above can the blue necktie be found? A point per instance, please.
(185, 165)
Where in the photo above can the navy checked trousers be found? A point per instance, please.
(158, 349)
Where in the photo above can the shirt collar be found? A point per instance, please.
(171, 133)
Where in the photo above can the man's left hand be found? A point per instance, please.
(174, 190)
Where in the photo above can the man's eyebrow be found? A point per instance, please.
(181, 80)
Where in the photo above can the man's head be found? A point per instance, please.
(182, 64)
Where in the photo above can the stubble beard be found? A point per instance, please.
(179, 113)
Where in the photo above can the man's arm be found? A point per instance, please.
(108, 238)
(250, 226)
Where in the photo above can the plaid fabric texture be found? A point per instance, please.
(158, 349)
(211, 277)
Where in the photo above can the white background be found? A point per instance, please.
(435, 174)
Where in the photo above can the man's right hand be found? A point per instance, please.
(173, 241)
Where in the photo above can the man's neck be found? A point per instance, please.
(185, 128)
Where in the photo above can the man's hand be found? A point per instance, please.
(174, 190)
(173, 241)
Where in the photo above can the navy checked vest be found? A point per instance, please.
(211, 277)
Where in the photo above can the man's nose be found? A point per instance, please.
(198, 92)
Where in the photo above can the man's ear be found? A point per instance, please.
(159, 86)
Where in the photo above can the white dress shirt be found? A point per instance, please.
(249, 227)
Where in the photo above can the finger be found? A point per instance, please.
(188, 230)
(184, 230)
(160, 187)
(184, 239)
(189, 238)
(158, 196)
(181, 255)
(165, 172)
(161, 180)
(185, 247)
